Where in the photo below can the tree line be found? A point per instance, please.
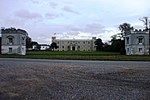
(116, 44)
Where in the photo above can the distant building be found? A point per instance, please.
(44, 46)
(13, 41)
(35, 46)
(75, 44)
(137, 42)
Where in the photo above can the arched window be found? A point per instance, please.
(10, 40)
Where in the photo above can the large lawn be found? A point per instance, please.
(63, 55)
(71, 53)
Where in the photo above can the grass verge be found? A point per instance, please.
(79, 56)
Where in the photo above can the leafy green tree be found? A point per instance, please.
(28, 42)
(99, 44)
(107, 47)
(54, 46)
(125, 27)
(118, 45)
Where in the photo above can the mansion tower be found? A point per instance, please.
(13, 41)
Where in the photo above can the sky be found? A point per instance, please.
(72, 19)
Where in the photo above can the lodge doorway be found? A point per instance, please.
(73, 48)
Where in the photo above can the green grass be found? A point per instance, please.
(110, 56)
(70, 53)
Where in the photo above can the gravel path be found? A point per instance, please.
(27, 79)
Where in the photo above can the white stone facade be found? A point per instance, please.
(75, 44)
(13, 41)
(44, 47)
(137, 42)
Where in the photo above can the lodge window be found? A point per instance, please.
(140, 49)
(127, 40)
(140, 40)
(128, 50)
(23, 40)
(10, 50)
(10, 40)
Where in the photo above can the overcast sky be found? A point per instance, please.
(71, 18)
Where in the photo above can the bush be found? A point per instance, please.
(122, 51)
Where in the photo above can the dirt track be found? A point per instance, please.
(73, 80)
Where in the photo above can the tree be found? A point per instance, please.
(145, 21)
(118, 45)
(54, 46)
(28, 42)
(107, 47)
(125, 27)
(35, 45)
(99, 44)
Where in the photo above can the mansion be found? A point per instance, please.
(75, 44)
(137, 42)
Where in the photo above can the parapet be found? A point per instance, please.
(12, 30)
(137, 31)
(93, 38)
(140, 30)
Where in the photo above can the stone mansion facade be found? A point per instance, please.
(13, 41)
(137, 42)
(75, 44)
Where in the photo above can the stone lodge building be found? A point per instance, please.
(75, 44)
(137, 42)
(13, 41)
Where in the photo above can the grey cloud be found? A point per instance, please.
(95, 28)
(24, 14)
(13, 22)
(52, 15)
(53, 4)
(35, 1)
(68, 9)
(76, 29)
